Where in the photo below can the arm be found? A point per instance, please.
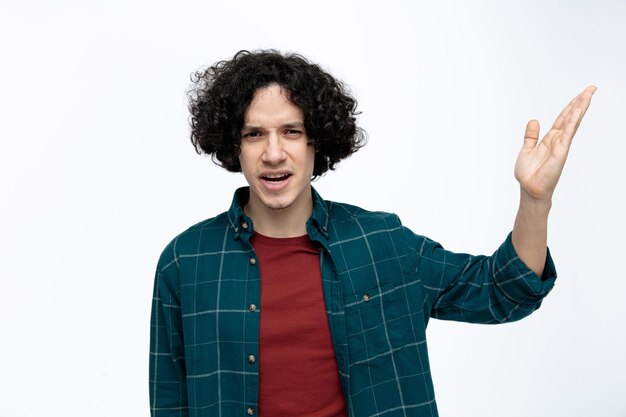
(168, 388)
(504, 287)
(478, 289)
(538, 169)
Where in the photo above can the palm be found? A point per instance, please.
(539, 164)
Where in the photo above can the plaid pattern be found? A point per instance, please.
(381, 284)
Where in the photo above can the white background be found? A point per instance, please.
(97, 175)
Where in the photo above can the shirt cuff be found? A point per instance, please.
(517, 280)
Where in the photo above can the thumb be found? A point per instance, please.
(531, 135)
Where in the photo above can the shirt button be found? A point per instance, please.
(251, 359)
(236, 229)
(366, 297)
(252, 307)
(251, 411)
(252, 261)
(244, 224)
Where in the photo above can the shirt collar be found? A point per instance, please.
(241, 225)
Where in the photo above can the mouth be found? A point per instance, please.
(275, 178)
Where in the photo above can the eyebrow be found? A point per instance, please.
(291, 125)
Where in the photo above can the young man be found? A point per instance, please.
(290, 305)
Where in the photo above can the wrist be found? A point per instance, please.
(535, 205)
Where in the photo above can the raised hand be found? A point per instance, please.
(539, 164)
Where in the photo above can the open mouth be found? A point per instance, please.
(275, 178)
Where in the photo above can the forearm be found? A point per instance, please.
(530, 232)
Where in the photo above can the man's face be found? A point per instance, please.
(275, 157)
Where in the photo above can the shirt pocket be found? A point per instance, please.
(372, 326)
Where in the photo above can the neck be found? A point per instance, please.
(285, 222)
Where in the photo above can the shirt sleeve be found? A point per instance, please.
(168, 388)
(480, 289)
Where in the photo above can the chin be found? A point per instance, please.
(278, 205)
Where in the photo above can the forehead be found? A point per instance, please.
(271, 104)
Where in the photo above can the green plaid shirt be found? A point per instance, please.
(381, 285)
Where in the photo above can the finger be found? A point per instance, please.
(575, 117)
(587, 95)
(558, 123)
(569, 130)
(531, 135)
(581, 100)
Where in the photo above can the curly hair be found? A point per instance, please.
(220, 95)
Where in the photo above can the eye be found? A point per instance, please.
(293, 132)
(252, 135)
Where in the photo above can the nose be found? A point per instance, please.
(274, 152)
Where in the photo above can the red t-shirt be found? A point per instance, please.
(298, 373)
